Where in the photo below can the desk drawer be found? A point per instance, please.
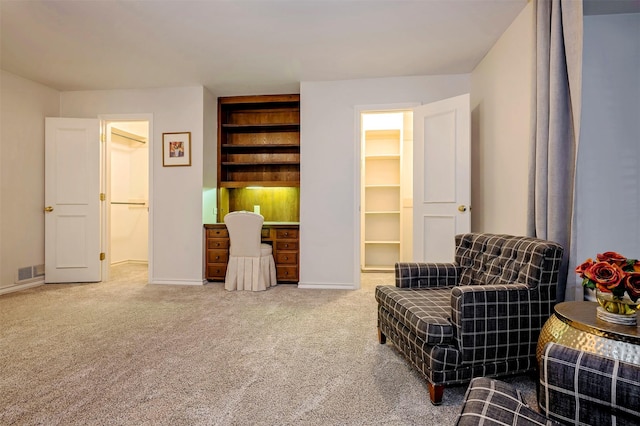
(216, 272)
(217, 256)
(217, 233)
(287, 245)
(217, 243)
(283, 234)
(286, 257)
(287, 273)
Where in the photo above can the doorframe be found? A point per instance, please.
(357, 199)
(105, 179)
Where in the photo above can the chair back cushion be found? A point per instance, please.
(244, 233)
(504, 259)
(506, 292)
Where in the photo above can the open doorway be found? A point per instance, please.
(126, 183)
(386, 213)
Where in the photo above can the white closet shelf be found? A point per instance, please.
(384, 212)
(382, 242)
(382, 157)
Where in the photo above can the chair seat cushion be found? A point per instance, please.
(265, 249)
(426, 311)
(491, 402)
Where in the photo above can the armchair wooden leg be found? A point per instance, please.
(382, 339)
(435, 393)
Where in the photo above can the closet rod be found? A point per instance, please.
(130, 204)
(113, 131)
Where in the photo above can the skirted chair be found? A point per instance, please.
(251, 265)
(576, 388)
(478, 316)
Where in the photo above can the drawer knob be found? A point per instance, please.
(286, 258)
(286, 246)
(286, 234)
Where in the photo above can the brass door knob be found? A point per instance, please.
(462, 208)
(48, 209)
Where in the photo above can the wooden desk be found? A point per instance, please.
(574, 324)
(284, 237)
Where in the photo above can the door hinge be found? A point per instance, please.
(103, 196)
(102, 137)
(102, 256)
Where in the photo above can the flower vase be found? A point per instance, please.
(616, 310)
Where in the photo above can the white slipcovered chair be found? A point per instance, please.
(251, 265)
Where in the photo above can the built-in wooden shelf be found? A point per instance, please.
(261, 183)
(263, 126)
(258, 163)
(258, 146)
(263, 146)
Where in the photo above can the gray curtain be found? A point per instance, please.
(556, 129)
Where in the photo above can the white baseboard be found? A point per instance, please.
(177, 282)
(18, 287)
(328, 286)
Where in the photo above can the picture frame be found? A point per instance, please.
(176, 149)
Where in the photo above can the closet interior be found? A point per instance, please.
(129, 189)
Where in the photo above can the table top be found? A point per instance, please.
(270, 224)
(582, 315)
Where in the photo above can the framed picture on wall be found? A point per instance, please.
(176, 149)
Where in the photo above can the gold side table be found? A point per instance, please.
(574, 324)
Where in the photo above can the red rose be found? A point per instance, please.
(606, 276)
(581, 268)
(632, 284)
(612, 257)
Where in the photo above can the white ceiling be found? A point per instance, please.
(238, 47)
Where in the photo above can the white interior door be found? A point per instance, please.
(442, 178)
(72, 200)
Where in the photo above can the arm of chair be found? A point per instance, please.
(423, 275)
(575, 384)
(495, 322)
(493, 402)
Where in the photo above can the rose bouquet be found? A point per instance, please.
(616, 278)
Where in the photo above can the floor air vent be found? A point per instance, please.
(30, 272)
(38, 271)
(25, 273)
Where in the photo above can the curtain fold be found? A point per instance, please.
(556, 129)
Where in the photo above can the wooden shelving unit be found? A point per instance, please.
(259, 141)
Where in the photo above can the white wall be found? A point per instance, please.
(501, 102)
(608, 175)
(329, 148)
(24, 105)
(175, 192)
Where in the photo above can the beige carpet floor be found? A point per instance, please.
(124, 352)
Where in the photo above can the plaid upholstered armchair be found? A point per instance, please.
(478, 316)
(576, 388)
